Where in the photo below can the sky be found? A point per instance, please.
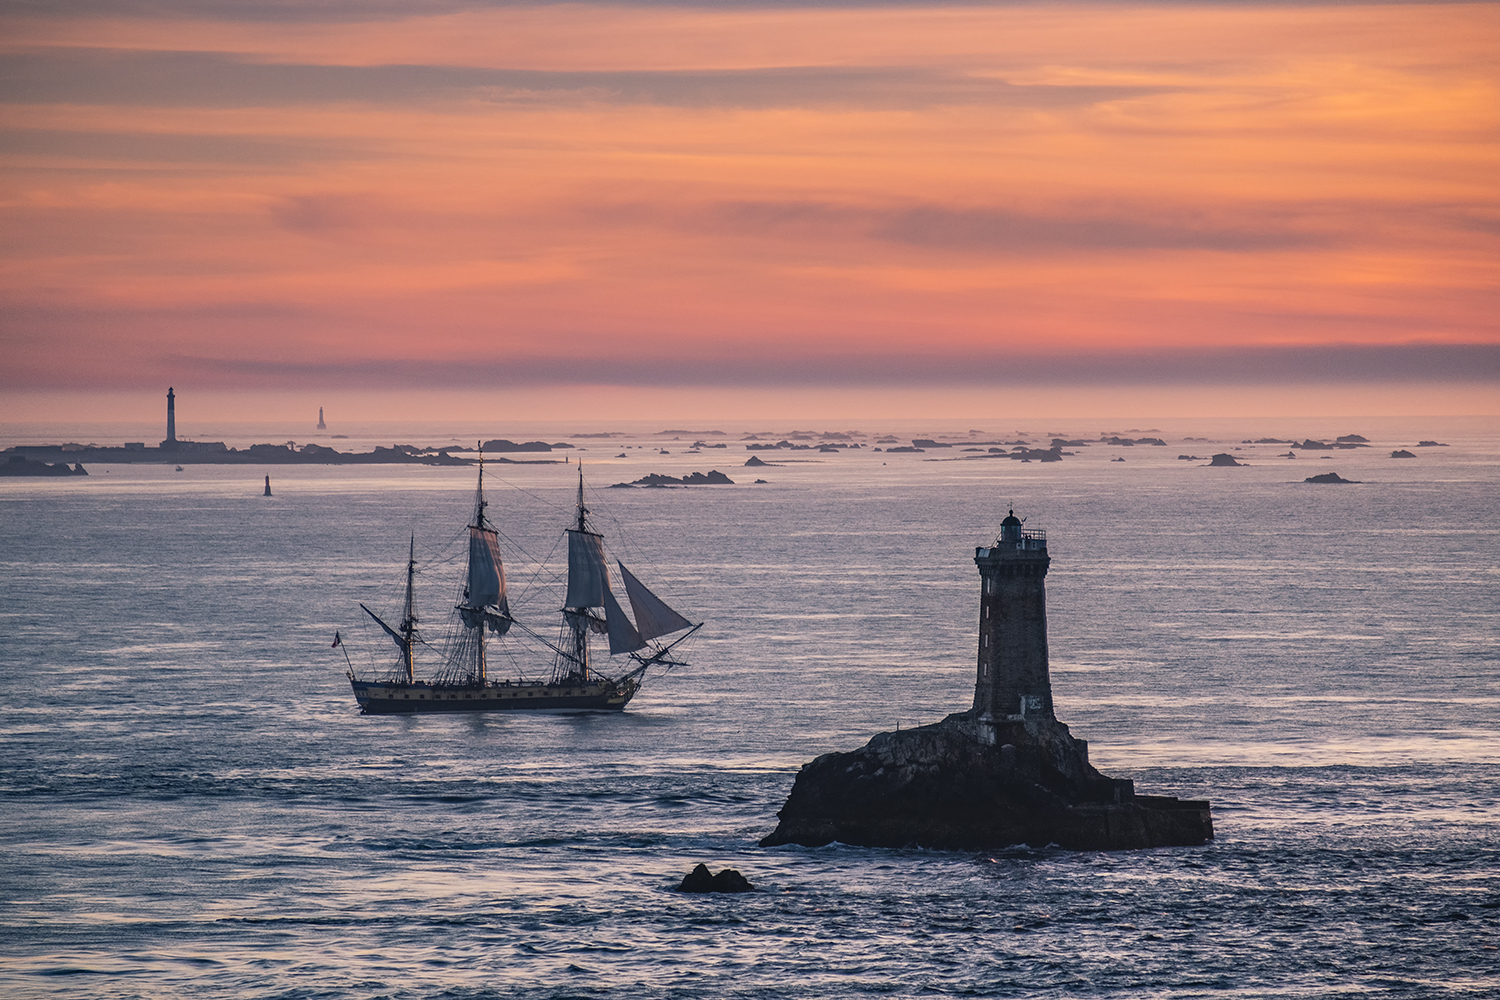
(750, 209)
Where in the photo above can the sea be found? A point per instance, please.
(192, 805)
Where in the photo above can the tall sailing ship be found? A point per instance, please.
(483, 625)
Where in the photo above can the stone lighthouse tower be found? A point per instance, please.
(1012, 681)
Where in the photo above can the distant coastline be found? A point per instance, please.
(216, 453)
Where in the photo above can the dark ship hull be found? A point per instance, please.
(399, 698)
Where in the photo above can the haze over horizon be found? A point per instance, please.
(738, 211)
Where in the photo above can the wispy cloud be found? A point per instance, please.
(734, 194)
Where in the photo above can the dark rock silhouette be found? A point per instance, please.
(1038, 454)
(712, 478)
(20, 465)
(946, 787)
(905, 448)
(1431, 444)
(1402, 453)
(1330, 477)
(1224, 460)
(1352, 439)
(701, 880)
(754, 462)
(1132, 442)
(1311, 445)
(501, 445)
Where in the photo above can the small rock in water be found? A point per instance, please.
(701, 880)
(1329, 477)
(1224, 459)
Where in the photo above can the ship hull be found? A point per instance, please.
(395, 698)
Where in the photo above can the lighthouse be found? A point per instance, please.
(1012, 680)
(170, 444)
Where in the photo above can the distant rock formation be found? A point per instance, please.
(1330, 477)
(1431, 444)
(1224, 460)
(1132, 442)
(1402, 453)
(1053, 454)
(20, 465)
(1311, 445)
(905, 448)
(925, 443)
(712, 478)
(1189, 458)
(700, 879)
(754, 462)
(1352, 439)
(503, 445)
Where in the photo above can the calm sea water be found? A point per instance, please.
(190, 803)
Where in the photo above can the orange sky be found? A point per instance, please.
(725, 197)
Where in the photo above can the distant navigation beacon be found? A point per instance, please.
(1012, 681)
(171, 442)
(321, 426)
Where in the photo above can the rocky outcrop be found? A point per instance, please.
(19, 465)
(969, 784)
(1224, 460)
(700, 879)
(1331, 477)
(711, 478)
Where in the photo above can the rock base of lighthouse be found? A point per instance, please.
(972, 784)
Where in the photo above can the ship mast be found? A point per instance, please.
(408, 613)
(580, 626)
(479, 505)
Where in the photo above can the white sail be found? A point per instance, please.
(486, 572)
(623, 638)
(652, 615)
(588, 576)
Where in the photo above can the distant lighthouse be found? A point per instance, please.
(170, 444)
(321, 426)
(1012, 680)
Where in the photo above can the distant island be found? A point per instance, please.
(711, 478)
(219, 454)
(20, 465)
(180, 451)
(503, 445)
(1330, 477)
